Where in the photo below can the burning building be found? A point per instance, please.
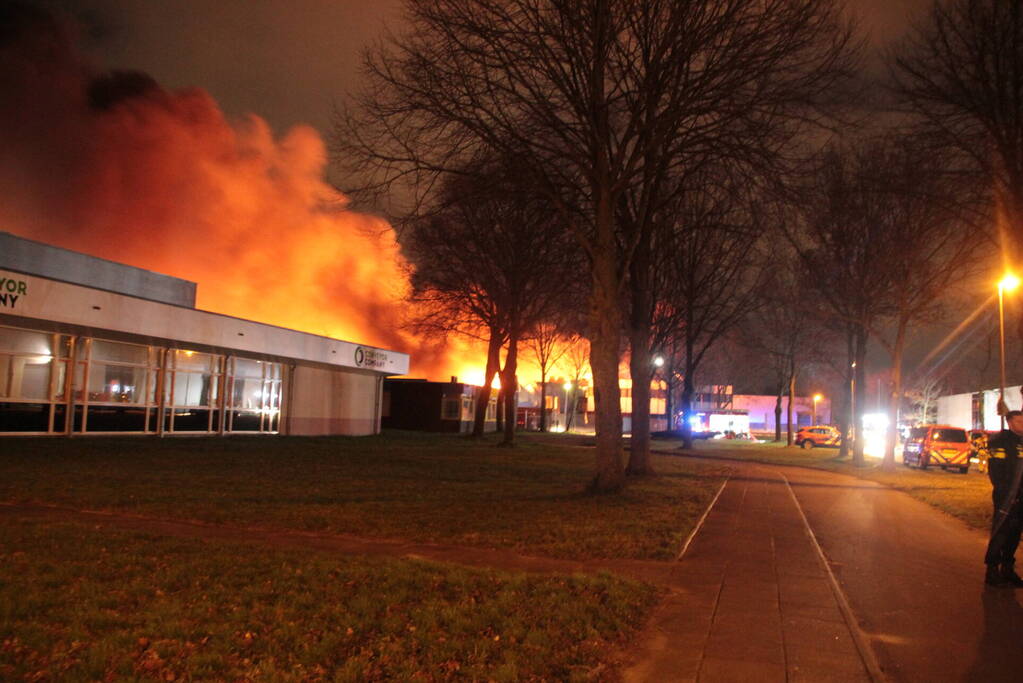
(90, 346)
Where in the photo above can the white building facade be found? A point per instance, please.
(976, 410)
(88, 346)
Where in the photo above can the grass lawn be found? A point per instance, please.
(967, 497)
(81, 603)
(401, 485)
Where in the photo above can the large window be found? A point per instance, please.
(33, 368)
(57, 383)
(255, 396)
(114, 387)
(192, 391)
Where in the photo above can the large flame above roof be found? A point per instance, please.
(120, 168)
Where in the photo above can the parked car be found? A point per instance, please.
(818, 435)
(942, 445)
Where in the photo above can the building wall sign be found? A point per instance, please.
(370, 358)
(11, 290)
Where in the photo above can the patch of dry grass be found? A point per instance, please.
(404, 485)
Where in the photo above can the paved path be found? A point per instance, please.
(801, 574)
(754, 599)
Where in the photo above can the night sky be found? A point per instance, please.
(288, 60)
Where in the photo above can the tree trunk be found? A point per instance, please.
(543, 399)
(605, 326)
(777, 414)
(605, 306)
(640, 362)
(792, 399)
(895, 399)
(688, 389)
(499, 413)
(858, 391)
(845, 420)
(483, 399)
(669, 402)
(510, 386)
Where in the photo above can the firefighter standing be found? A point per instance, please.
(1005, 467)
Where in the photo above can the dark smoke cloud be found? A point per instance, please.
(114, 165)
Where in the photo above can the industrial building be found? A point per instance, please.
(976, 409)
(89, 346)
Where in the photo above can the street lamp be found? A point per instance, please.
(1007, 284)
(816, 397)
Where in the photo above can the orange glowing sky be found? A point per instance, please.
(163, 180)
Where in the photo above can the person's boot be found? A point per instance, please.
(1010, 576)
(994, 577)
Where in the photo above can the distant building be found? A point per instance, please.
(658, 406)
(89, 346)
(715, 407)
(565, 407)
(760, 409)
(976, 409)
(421, 405)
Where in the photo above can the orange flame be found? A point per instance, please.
(161, 180)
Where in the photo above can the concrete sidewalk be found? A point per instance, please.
(752, 599)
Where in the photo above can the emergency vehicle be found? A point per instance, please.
(942, 445)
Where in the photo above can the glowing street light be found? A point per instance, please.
(658, 361)
(1007, 284)
(816, 398)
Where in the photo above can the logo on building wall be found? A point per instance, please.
(11, 290)
(369, 358)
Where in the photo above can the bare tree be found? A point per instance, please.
(785, 329)
(547, 345)
(591, 98)
(709, 275)
(488, 258)
(577, 362)
(960, 75)
(844, 251)
(925, 241)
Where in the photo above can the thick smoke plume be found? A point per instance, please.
(115, 166)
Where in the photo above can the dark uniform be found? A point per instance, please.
(1005, 456)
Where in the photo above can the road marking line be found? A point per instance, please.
(699, 522)
(858, 636)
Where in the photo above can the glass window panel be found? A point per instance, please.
(5, 375)
(245, 421)
(77, 382)
(247, 394)
(120, 353)
(117, 384)
(191, 420)
(24, 417)
(192, 360)
(30, 377)
(115, 419)
(243, 367)
(274, 401)
(14, 340)
(194, 389)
